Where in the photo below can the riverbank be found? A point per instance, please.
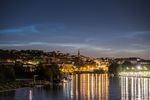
(8, 86)
(144, 74)
(90, 72)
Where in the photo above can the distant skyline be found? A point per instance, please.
(100, 28)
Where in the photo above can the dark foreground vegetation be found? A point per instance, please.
(12, 77)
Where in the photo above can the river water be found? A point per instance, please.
(87, 87)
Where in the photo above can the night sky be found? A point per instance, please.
(102, 28)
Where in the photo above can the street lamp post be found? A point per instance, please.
(34, 77)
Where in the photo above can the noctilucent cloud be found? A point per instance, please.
(100, 28)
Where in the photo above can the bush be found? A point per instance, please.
(7, 73)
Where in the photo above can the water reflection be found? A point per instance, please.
(87, 87)
(10, 95)
(30, 94)
(133, 88)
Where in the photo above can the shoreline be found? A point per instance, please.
(10, 86)
(4, 87)
(8, 90)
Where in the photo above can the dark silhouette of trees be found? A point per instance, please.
(113, 68)
(49, 72)
(7, 73)
(21, 73)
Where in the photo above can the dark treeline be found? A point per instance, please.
(115, 68)
(7, 73)
(13, 72)
(28, 54)
(49, 72)
(21, 54)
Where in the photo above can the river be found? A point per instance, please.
(87, 87)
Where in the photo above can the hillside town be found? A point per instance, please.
(27, 68)
(29, 60)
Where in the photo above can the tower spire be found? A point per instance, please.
(78, 59)
(78, 53)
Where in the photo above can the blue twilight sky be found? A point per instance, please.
(99, 28)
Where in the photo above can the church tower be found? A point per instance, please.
(78, 53)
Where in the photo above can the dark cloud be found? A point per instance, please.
(98, 28)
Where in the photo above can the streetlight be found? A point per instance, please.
(127, 68)
(139, 67)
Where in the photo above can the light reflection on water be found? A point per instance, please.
(87, 87)
(133, 88)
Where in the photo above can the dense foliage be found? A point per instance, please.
(49, 72)
(7, 73)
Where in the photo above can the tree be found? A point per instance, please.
(126, 65)
(50, 72)
(56, 73)
(113, 68)
(7, 73)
